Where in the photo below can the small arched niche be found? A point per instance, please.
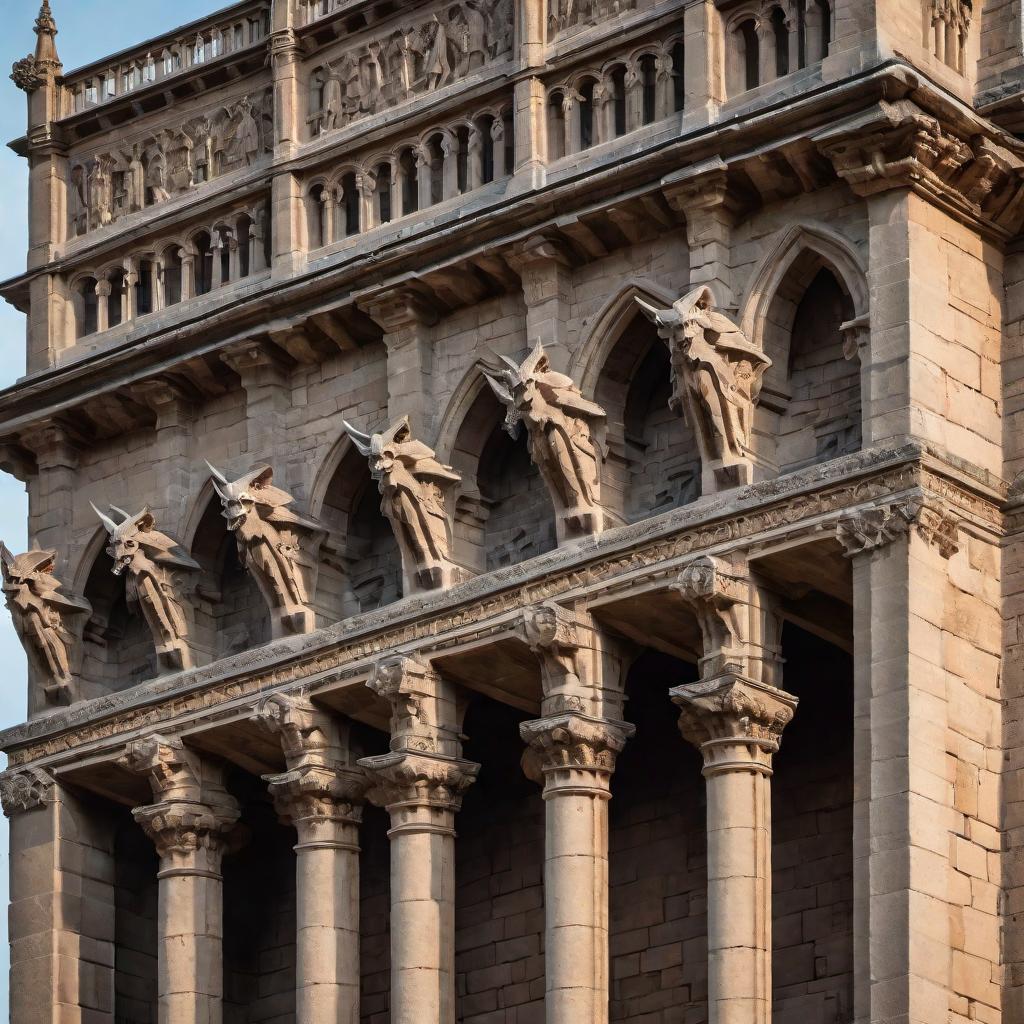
(118, 649)
(361, 565)
(819, 406)
(231, 612)
(503, 514)
(653, 462)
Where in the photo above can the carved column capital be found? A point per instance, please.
(319, 800)
(572, 751)
(736, 723)
(553, 634)
(309, 735)
(25, 789)
(54, 443)
(254, 357)
(421, 791)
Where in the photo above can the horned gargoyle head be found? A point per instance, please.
(381, 449)
(128, 536)
(242, 497)
(515, 384)
(29, 572)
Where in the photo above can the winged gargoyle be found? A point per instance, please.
(565, 433)
(716, 382)
(158, 576)
(277, 545)
(44, 617)
(413, 487)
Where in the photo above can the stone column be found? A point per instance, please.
(103, 291)
(264, 372)
(189, 825)
(420, 783)
(321, 794)
(530, 100)
(406, 320)
(735, 716)
(571, 751)
(545, 268)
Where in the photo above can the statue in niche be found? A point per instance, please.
(565, 434)
(156, 572)
(248, 133)
(406, 50)
(78, 206)
(331, 106)
(156, 181)
(469, 32)
(413, 485)
(135, 181)
(716, 382)
(500, 29)
(437, 70)
(43, 617)
(101, 200)
(278, 546)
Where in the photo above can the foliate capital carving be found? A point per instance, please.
(565, 434)
(280, 547)
(716, 382)
(24, 790)
(414, 489)
(45, 618)
(316, 799)
(562, 749)
(736, 723)
(309, 735)
(189, 838)
(868, 529)
(407, 783)
(159, 578)
(26, 74)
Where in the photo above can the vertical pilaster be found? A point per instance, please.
(406, 320)
(421, 783)
(735, 716)
(189, 825)
(51, 512)
(546, 273)
(703, 80)
(321, 794)
(268, 398)
(530, 100)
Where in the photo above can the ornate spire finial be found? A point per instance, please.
(46, 31)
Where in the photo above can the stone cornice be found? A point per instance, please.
(796, 507)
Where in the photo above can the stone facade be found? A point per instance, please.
(525, 500)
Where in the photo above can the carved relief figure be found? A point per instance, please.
(43, 616)
(716, 381)
(278, 546)
(157, 577)
(565, 436)
(412, 485)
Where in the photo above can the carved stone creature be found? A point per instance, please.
(43, 617)
(565, 434)
(412, 485)
(278, 546)
(716, 382)
(157, 576)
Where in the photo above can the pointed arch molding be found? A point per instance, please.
(455, 413)
(835, 252)
(603, 335)
(325, 474)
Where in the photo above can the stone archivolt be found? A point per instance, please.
(45, 618)
(414, 490)
(159, 576)
(278, 546)
(565, 433)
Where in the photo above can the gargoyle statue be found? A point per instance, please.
(158, 576)
(413, 487)
(43, 618)
(278, 546)
(716, 382)
(565, 433)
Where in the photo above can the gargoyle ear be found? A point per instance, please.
(262, 477)
(145, 521)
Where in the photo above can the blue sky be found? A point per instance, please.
(88, 30)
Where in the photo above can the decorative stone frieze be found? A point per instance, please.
(716, 383)
(415, 498)
(565, 434)
(160, 577)
(24, 790)
(278, 546)
(46, 619)
(868, 529)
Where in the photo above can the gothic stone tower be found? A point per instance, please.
(525, 501)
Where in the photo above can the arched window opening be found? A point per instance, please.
(619, 99)
(780, 32)
(88, 322)
(315, 217)
(144, 288)
(226, 250)
(485, 126)
(409, 173)
(462, 137)
(383, 194)
(556, 126)
(436, 160)
(649, 80)
(203, 263)
(586, 139)
(172, 275)
(508, 121)
(350, 203)
(678, 79)
(825, 29)
(749, 47)
(801, 33)
(115, 300)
